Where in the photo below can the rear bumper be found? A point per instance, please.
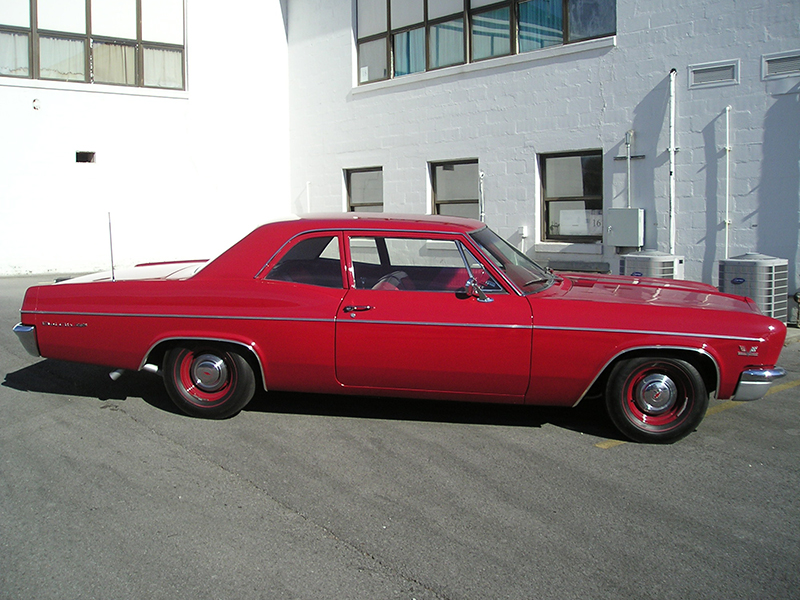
(755, 383)
(27, 337)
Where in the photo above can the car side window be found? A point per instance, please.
(313, 261)
(421, 264)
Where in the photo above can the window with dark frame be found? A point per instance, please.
(138, 43)
(456, 188)
(364, 189)
(572, 196)
(418, 264)
(401, 37)
(313, 260)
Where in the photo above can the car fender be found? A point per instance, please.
(707, 360)
(155, 353)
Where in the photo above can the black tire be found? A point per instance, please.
(208, 380)
(656, 400)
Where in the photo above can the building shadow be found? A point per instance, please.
(779, 188)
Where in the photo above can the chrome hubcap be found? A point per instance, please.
(209, 372)
(656, 394)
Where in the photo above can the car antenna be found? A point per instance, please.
(111, 245)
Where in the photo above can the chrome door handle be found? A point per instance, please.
(351, 309)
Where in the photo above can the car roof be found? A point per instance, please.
(389, 221)
(248, 256)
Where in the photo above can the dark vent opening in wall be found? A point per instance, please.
(783, 66)
(725, 73)
(84, 157)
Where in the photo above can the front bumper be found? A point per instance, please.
(755, 383)
(27, 337)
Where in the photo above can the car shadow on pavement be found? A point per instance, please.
(588, 418)
(88, 381)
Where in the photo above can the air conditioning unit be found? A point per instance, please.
(763, 278)
(652, 263)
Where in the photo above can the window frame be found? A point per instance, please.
(469, 15)
(513, 11)
(386, 250)
(546, 201)
(436, 202)
(268, 271)
(348, 175)
(140, 46)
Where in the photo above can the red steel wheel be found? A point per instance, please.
(656, 400)
(208, 381)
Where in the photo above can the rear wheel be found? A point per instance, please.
(656, 400)
(208, 381)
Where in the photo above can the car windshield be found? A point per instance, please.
(518, 268)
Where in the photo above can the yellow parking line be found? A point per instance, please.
(784, 386)
(723, 406)
(609, 444)
(711, 411)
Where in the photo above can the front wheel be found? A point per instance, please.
(208, 381)
(656, 400)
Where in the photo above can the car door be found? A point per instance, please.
(408, 323)
(302, 289)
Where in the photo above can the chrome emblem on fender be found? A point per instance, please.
(51, 324)
(743, 351)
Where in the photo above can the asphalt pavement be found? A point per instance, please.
(106, 491)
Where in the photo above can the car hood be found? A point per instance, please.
(649, 291)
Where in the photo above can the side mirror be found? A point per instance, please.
(474, 290)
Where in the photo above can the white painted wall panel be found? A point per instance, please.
(183, 174)
(506, 111)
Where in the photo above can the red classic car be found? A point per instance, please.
(414, 307)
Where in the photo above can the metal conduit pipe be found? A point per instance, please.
(672, 150)
(728, 150)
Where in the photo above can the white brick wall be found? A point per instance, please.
(184, 174)
(506, 111)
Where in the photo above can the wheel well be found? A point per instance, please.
(701, 361)
(157, 353)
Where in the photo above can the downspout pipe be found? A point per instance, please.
(672, 151)
(481, 200)
(628, 144)
(728, 149)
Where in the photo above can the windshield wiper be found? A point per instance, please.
(538, 280)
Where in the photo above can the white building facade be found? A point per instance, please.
(524, 112)
(183, 145)
(190, 123)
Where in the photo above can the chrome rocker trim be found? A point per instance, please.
(755, 383)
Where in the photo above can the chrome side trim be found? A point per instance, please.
(433, 324)
(755, 383)
(649, 332)
(281, 319)
(27, 337)
(334, 319)
(178, 316)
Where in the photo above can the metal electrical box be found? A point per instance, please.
(624, 227)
